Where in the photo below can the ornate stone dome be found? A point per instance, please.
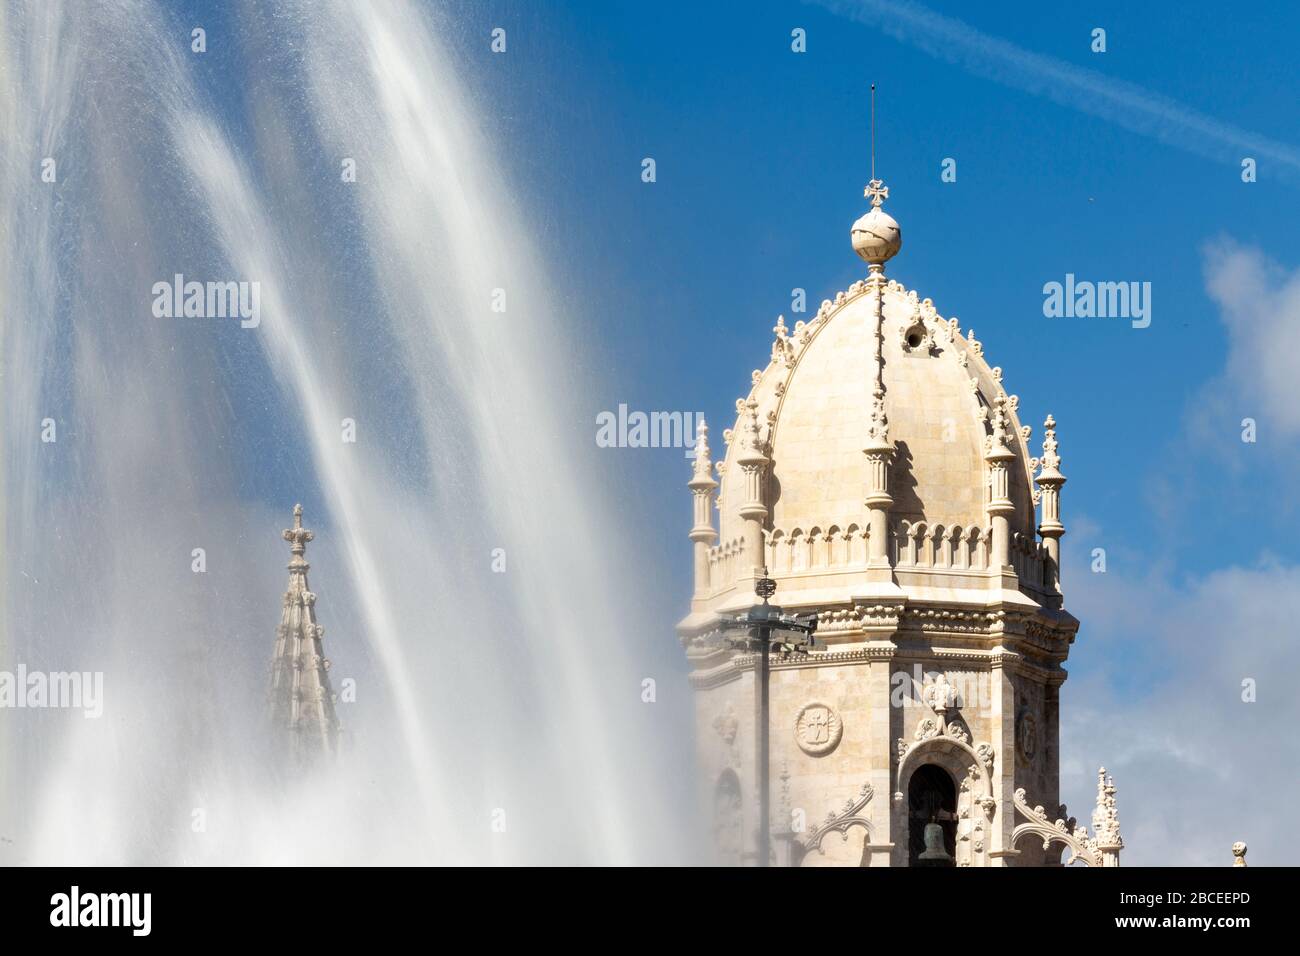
(814, 413)
(878, 443)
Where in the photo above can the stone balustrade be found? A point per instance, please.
(918, 544)
(914, 545)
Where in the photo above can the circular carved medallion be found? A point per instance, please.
(817, 729)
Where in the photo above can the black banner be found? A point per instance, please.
(338, 905)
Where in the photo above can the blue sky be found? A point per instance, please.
(761, 158)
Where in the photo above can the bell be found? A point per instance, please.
(934, 849)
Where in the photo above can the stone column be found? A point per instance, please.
(1004, 759)
(1050, 736)
(1000, 506)
(880, 665)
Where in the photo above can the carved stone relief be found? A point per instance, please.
(817, 729)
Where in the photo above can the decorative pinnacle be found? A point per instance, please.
(703, 463)
(751, 442)
(997, 442)
(1050, 473)
(1105, 818)
(877, 191)
(297, 536)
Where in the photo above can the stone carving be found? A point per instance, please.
(1099, 850)
(1105, 818)
(942, 698)
(916, 337)
(927, 728)
(817, 729)
(1027, 736)
(849, 816)
(782, 348)
(939, 695)
(969, 839)
(727, 725)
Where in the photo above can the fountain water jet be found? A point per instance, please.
(481, 697)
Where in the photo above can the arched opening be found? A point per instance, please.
(931, 799)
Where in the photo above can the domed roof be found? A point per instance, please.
(814, 403)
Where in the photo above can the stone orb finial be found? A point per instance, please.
(1239, 852)
(876, 237)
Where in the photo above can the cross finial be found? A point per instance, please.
(878, 192)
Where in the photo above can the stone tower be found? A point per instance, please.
(301, 702)
(879, 473)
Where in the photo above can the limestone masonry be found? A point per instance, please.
(878, 471)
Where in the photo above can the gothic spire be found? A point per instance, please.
(1105, 821)
(301, 702)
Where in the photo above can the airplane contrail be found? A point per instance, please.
(1088, 91)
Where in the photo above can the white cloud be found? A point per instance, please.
(1196, 766)
(1160, 662)
(1259, 301)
